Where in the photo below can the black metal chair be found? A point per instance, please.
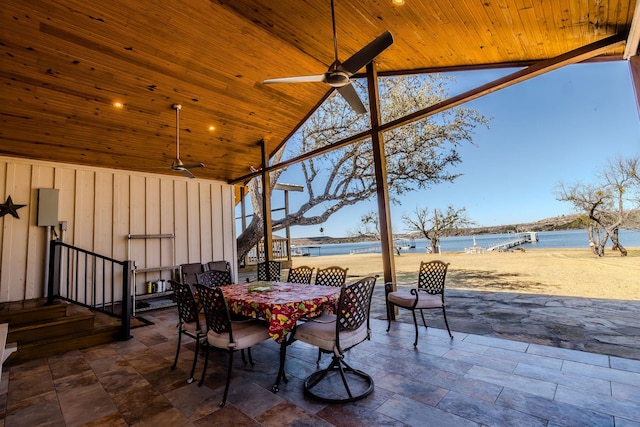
(191, 322)
(300, 274)
(331, 276)
(274, 271)
(336, 334)
(219, 265)
(225, 334)
(213, 278)
(188, 272)
(428, 295)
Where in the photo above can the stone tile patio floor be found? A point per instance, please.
(475, 379)
(610, 327)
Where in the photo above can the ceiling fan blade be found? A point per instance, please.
(367, 53)
(298, 79)
(194, 165)
(186, 172)
(350, 95)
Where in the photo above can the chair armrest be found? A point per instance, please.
(388, 286)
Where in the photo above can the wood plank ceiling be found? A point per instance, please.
(65, 62)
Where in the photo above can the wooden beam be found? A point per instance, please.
(308, 155)
(380, 169)
(633, 42)
(634, 67)
(542, 67)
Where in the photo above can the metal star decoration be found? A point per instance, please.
(9, 208)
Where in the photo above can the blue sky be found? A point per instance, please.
(561, 126)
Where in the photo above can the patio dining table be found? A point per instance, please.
(282, 305)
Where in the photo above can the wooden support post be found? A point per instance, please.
(266, 210)
(287, 230)
(243, 217)
(382, 189)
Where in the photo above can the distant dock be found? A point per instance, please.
(516, 240)
(367, 250)
(304, 250)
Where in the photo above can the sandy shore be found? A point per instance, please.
(563, 272)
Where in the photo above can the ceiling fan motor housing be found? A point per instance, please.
(337, 78)
(177, 164)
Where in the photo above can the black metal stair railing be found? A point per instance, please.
(92, 280)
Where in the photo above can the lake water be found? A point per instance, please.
(546, 239)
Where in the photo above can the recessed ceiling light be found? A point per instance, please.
(118, 104)
(212, 128)
(397, 2)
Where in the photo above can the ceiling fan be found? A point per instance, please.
(177, 164)
(339, 73)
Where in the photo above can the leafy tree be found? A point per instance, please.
(607, 202)
(419, 155)
(435, 224)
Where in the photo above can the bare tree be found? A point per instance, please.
(435, 224)
(607, 203)
(628, 170)
(418, 155)
(369, 227)
(254, 231)
(597, 203)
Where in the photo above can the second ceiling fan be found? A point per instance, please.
(339, 73)
(177, 164)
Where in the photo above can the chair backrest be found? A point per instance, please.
(213, 278)
(188, 272)
(187, 307)
(219, 266)
(331, 276)
(215, 308)
(354, 306)
(300, 274)
(274, 271)
(432, 275)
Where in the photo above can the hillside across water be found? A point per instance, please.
(564, 222)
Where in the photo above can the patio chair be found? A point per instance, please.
(331, 276)
(274, 271)
(224, 334)
(188, 272)
(219, 266)
(336, 334)
(300, 274)
(213, 278)
(191, 323)
(428, 295)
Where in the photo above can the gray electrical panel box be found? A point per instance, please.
(48, 207)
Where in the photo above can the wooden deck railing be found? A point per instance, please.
(280, 251)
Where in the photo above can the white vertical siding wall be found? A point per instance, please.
(101, 208)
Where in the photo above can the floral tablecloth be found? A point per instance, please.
(282, 304)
